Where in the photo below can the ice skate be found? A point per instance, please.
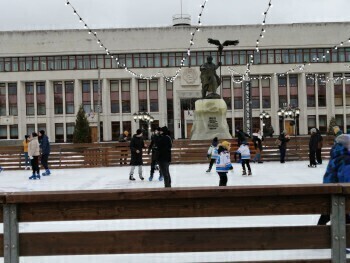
(244, 173)
(141, 177)
(37, 176)
(249, 173)
(160, 178)
(33, 177)
(1, 169)
(208, 171)
(131, 178)
(46, 173)
(150, 178)
(312, 166)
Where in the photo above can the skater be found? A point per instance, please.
(223, 163)
(241, 137)
(153, 147)
(245, 155)
(338, 169)
(34, 153)
(283, 139)
(25, 151)
(136, 146)
(319, 147)
(164, 158)
(212, 153)
(257, 140)
(313, 144)
(45, 152)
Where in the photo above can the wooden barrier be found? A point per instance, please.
(118, 154)
(177, 203)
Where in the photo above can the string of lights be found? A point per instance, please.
(115, 56)
(262, 31)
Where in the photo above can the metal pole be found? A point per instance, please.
(220, 54)
(11, 236)
(99, 107)
(338, 229)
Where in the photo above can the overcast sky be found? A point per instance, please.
(54, 14)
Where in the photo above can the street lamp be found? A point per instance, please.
(264, 116)
(145, 117)
(290, 112)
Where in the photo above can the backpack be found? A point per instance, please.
(278, 142)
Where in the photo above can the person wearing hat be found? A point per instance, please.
(283, 139)
(164, 146)
(313, 144)
(245, 156)
(34, 153)
(25, 151)
(241, 137)
(212, 153)
(155, 153)
(45, 152)
(136, 146)
(223, 162)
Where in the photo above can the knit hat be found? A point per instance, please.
(344, 140)
(164, 129)
(139, 131)
(42, 132)
(313, 130)
(226, 145)
(215, 141)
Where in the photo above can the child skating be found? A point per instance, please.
(212, 153)
(223, 162)
(245, 155)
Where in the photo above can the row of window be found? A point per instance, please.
(173, 59)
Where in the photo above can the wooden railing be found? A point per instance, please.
(117, 154)
(176, 203)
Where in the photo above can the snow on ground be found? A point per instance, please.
(270, 173)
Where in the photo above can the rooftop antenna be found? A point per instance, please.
(181, 19)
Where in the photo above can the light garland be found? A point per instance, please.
(115, 56)
(263, 26)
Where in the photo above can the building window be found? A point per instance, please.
(114, 94)
(153, 94)
(96, 98)
(311, 122)
(115, 130)
(226, 91)
(282, 91)
(59, 132)
(321, 83)
(126, 96)
(12, 94)
(238, 124)
(2, 99)
(70, 131)
(127, 127)
(310, 90)
(255, 92)
(14, 131)
(30, 129)
(338, 89)
(40, 98)
(322, 120)
(41, 126)
(266, 92)
(347, 89)
(3, 132)
(170, 106)
(293, 86)
(339, 120)
(69, 90)
(86, 92)
(29, 86)
(142, 87)
(58, 97)
(238, 93)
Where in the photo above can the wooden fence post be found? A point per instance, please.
(338, 229)
(11, 249)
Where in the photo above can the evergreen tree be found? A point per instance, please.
(332, 123)
(82, 129)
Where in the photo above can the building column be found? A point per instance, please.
(274, 104)
(50, 104)
(106, 111)
(330, 98)
(21, 109)
(162, 102)
(78, 96)
(177, 109)
(302, 98)
(134, 104)
(316, 101)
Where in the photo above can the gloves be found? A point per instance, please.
(31, 157)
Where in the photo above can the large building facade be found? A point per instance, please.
(46, 75)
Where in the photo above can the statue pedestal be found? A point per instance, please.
(210, 120)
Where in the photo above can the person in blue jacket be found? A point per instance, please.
(338, 169)
(45, 152)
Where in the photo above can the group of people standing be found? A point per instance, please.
(34, 146)
(160, 147)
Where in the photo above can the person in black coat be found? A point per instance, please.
(241, 137)
(164, 147)
(283, 138)
(153, 147)
(45, 152)
(136, 146)
(319, 147)
(313, 144)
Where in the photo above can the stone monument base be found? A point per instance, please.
(210, 120)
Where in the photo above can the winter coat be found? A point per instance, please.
(283, 140)
(136, 144)
(320, 140)
(153, 147)
(33, 147)
(313, 142)
(257, 140)
(25, 146)
(223, 163)
(45, 145)
(338, 169)
(164, 147)
(244, 151)
(212, 152)
(241, 136)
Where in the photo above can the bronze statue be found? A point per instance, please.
(210, 80)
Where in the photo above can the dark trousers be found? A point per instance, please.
(312, 157)
(212, 161)
(246, 162)
(223, 179)
(153, 167)
(319, 156)
(164, 170)
(35, 164)
(282, 154)
(44, 159)
(324, 219)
